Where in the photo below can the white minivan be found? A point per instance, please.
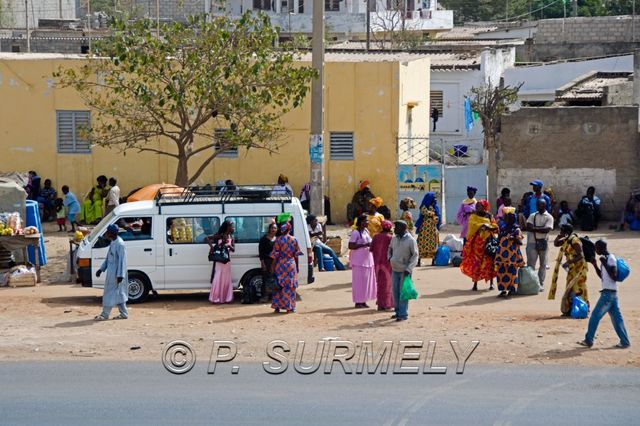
(165, 239)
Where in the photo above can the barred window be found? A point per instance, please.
(436, 102)
(341, 145)
(220, 139)
(69, 136)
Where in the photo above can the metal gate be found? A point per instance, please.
(423, 167)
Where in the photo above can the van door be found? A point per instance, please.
(248, 231)
(137, 234)
(186, 264)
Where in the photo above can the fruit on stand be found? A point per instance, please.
(30, 230)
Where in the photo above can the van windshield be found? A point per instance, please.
(100, 227)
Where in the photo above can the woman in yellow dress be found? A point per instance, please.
(91, 211)
(428, 225)
(576, 267)
(375, 219)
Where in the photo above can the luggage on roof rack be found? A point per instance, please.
(222, 195)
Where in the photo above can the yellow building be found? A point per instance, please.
(370, 101)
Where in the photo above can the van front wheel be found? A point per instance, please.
(138, 287)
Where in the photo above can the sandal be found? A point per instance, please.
(119, 317)
(100, 318)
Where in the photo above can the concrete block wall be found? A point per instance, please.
(571, 148)
(603, 29)
(173, 10)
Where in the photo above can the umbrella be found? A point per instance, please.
(149, 192)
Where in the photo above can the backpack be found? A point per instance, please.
(588, 249)
(442, 255)
(623, 269)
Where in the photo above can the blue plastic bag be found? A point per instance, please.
(623, 269)
(579, 308)
(442, 255)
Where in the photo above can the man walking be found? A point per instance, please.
(113, 197)
(539, 224)
(115, 285)
(608, 302)
(403, 255)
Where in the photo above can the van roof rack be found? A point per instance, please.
(236, 194)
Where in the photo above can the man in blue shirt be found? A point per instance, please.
(72, 205)
(531, 203)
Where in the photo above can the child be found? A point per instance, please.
(506, 202)
(565, 215)
(608, 302)
(405, 205)
(61, 215)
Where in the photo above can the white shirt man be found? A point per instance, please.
(113, 197)
(539, 224)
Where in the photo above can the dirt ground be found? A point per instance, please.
(53, 321)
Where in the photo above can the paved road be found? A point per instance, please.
(80, 393)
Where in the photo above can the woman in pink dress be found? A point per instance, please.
(380, 251)
(363, 276)
(221, 285)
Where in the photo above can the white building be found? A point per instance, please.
(349, 17)
(452, 78)
(12, 12)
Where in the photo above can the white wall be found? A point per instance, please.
(12, 12)
(542, 81)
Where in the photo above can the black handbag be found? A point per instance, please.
(219, 254)
(541, 245)
(491, 246)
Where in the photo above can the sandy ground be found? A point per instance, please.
(53, 321)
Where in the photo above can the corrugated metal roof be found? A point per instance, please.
(591, 86)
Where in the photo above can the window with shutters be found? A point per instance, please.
(220, 141)
(436, 102)
(332, 5)
(261, 4)
(341, 145)
(70, 136)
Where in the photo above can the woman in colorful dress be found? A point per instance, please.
(428, 225)
(221, 285)
(465, 211)
(476, 263)
(285, 266)
(405, 205)
(380, 251)
(576, 267)
(509, 257)
(363, 275)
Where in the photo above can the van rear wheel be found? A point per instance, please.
(138, 287)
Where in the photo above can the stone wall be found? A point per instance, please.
(602, 29)
(571, 148)
(548, 52)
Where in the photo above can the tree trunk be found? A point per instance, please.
(492, 168)
(182, 172)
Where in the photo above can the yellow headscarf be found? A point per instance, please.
(376, 202)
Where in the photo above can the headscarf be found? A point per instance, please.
(283, 178)
(429, 200)
(485, 204)
(376, 202)
(305, 189)
(285, 228)
(409, 202)
(509, 210)
(387, 225)
(363, 184)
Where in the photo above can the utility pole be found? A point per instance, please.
(158, 18)
(506, 10)
(89, 23)
(316, 145)
(368, 25)
(26, 21)
(575, 8)
(60, 8)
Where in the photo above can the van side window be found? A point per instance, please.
(249, 229)
(135, 228)
(191, 230)
(130, 229)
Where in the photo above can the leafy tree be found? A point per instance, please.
(491, 102)
(211, 73)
